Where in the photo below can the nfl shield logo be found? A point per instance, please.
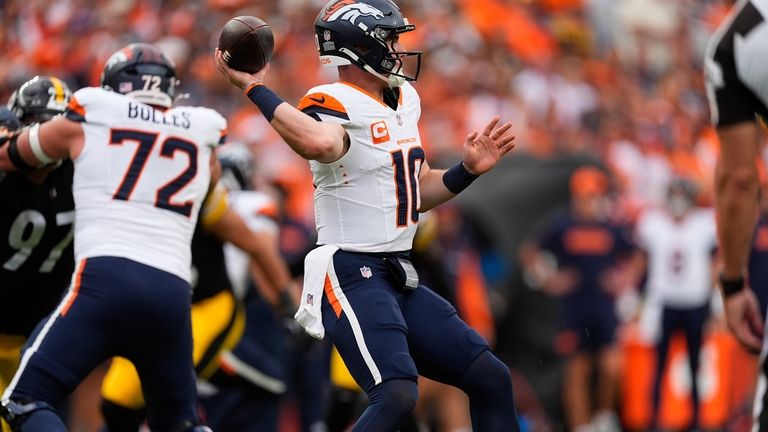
(366, 272)
(125, 87)
(310, 299)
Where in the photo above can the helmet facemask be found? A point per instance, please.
(398, 66)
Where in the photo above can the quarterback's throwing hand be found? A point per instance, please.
(483, 150)
(239, 78)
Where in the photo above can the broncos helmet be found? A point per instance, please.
(39, 99)
(363, 33)
(8, 121)
(236, 166)
(142, 72)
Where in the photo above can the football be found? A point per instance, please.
(246, 43)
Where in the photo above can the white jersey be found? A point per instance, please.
(679, 256)
(140, 178)
(368, 200)
(256, 209)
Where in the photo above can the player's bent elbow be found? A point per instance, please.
(321, 149)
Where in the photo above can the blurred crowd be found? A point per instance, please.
(619, 79)
(617, 83)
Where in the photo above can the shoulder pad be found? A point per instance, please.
(86, 98)
(317, 104)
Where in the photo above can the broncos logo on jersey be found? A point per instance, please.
(351, 10)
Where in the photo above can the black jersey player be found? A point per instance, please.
(36, 229)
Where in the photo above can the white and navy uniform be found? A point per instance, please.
(367, 206)
(737, 88)
(679, 286)
(680, 254)
(138, 185)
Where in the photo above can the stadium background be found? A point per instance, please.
(615, 83)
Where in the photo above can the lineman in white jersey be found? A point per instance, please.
(680, 242)
(142, 169)
(737, 88)
(372, 180)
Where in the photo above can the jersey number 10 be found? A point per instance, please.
(406, 179)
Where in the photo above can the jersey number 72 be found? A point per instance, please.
(146, 142)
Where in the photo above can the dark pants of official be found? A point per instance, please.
(262, 349)
(116, 307)
(691, 322)
(387, 335)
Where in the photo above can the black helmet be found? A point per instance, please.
(142, 72)
(39, 99)
(363, 33)
(682, 186)
(681, 195)
(236, 166)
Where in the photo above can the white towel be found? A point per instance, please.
(316, 266)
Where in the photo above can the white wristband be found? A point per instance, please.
(34, 145)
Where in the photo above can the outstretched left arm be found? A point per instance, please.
(56, 139)
(481, 152)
